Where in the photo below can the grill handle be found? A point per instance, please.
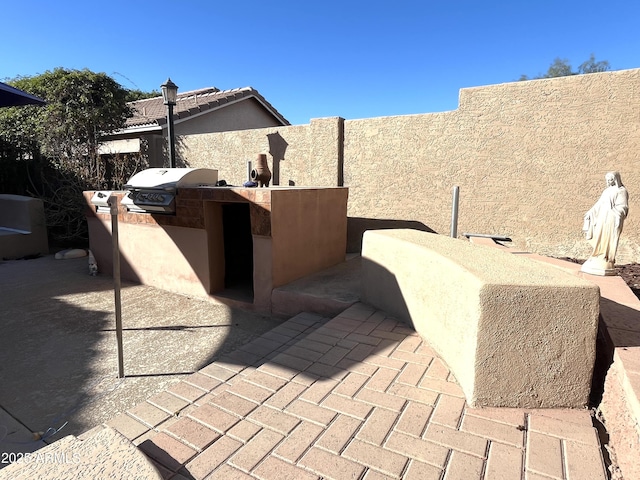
(132, 188)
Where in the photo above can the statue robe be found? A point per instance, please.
(606, 219)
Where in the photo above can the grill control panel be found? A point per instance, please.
(151, 198)
(149, 201)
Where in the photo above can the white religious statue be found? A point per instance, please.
(603, 226)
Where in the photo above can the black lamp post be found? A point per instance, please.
(169, 95)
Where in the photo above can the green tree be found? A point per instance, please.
(562, 68)
(137, 94)
(81, 105)
(591, 66)
(59, 143)
(559, 68)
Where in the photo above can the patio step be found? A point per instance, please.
(326, 293)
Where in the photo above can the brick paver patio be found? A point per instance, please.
(356, 396)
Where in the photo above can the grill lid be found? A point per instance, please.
(171, 178)
(154, 189)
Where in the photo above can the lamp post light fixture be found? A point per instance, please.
(169, 95)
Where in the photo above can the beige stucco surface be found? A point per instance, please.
(240, 115)
(108, 454)
(169, 257)
(303, 155)
(529, 158)
(515, 333)
(620, 407)
(309, 231)
(23, 229)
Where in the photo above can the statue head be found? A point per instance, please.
(613, 178)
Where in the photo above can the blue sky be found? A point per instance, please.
(313, 59)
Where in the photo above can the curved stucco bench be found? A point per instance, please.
(515, 332)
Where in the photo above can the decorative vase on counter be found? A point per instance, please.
(261, 173)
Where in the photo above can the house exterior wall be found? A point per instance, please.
(155, 150)
(241, 115)
(529, 158)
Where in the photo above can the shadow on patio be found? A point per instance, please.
(58, 353)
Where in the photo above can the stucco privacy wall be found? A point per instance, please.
(529, 158)
(302, 155)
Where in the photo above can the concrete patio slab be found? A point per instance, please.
(58, 355)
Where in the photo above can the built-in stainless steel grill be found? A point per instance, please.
(154, 190)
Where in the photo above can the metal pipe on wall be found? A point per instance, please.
(113, 204)
(171, 137)
(454, 212)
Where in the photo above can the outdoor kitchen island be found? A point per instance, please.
(230, 243)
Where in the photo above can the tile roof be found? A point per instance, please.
(152, 111)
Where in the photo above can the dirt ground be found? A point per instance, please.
(631, 275)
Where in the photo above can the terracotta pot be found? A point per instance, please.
(261, 174)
